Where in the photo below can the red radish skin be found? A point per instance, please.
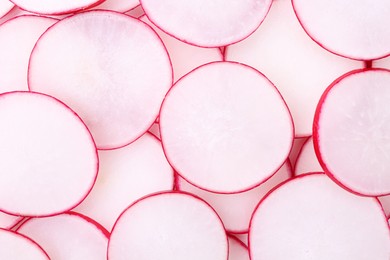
(5, 7)
(41, 172)
(118, 104)
(237, 249)
(213, 112)
(121, 6)
(350, 131)
(176, 225)
(206, 23)
(8, 221)
(354, 29)
(298, 67)
(324, 222)
(307, 160)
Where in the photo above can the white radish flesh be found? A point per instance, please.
(48, 160)
(114, 72)
(8, 221)
(307, 160)
(5, 7)
(310, 217)
(225, 128)
(207, 23)
(118, 5)
(168, 226)
(237, 249)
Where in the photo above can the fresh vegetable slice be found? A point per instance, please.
(351, 129)
(5, 7)
(310, 217)
(207, 23)
(111, 68)
(307, 160)
(48, 160)
(225, 128)
(237, 249)
(8, 221)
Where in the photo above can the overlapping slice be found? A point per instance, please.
(237, 249)
(225, 127)
(207, 23)
(310, 217)
(8, 221)
(351, 131)
(111, 68)
(48, 160)
(307, 160)
(168, 226)
(5, 7)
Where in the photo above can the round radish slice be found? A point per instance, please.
(172, 226)
(225, 128)
(307, 159)
(351, 129)
(118, 5)
(125, 175)
(299, 68)
(236, 209)
(356, 29)
(48, 160)
(18, 247)
(115, 81)
(19, 36)
(8, 221)
(185, 57)
(5, 7)
(68, 236)
(207, 23)
(323, 222)
(237, 249)
(385, 201)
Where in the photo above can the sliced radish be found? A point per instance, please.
(236, 209)
(48, 160)
(356, 29)
(300, 69)
(169, 225)
(385, 201)
(5, 7)
(207, 23)
(68, 236)
(225, 127)
(114, 71)
(237, 249)
(18, 247)
(185, 57)
(307, 159)
(19, 36)
(12, 14)
(310, 217)
(351, 129)
(125, 175)
(8, 221)
(118, 5)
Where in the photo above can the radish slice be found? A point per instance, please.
(168, 225)
(125, 175)
(207, 23)
(385, 201)
(12, 14)
(55, 6)
(217, 110)
(236, 209)
(307, 160)
(355, 29)
(300, 69)
(8, 221)
(118, 5)
(41, 171)
(351, 129)
(185, 57)
(18, 247)
(237, 249)
(19, 36)
(5, 7)
(323, 222)
(68, 236)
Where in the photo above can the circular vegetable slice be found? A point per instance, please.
(48, 160)
(207, 23)
(225, 128)
(171, 226)
(116, 81)
(324, 222)
(351, 129)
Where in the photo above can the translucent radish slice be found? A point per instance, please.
(236, 209)
(307, 159)
(217, 110)
(351, 129)
(168, 226)
(56, 6)
(125, 175)
(8, 221)
(207, 23)
(355, 29)
(18, 247)
(68, 236)
(185, 57)
(48, 161)
(385, 201)
(237, 249)
(19, 36)
(323, 222)
(118, 5)
(115, 72)
(5, 7)
(299, 68)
